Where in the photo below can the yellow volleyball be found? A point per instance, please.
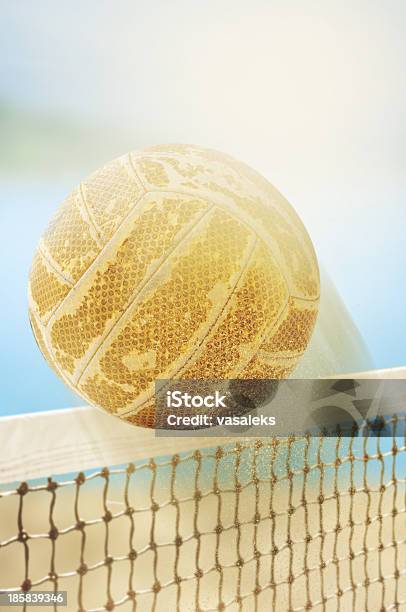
(173, 262)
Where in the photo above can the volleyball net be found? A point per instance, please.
(293, 523)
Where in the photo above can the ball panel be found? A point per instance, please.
(260, 296)
(272, 202)
(69, 240)
(230, 183)
(177, 309)
(145, 417)
(46, 288)
(138, 249)
(295, 261)
(101, 391)
(291, 335)
(65, 362)
(294, 253)
(152, 172)
(110, 194)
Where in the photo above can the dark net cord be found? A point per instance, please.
(290, 524)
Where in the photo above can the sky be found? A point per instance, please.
(312, 95)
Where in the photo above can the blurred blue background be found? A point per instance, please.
(314, 97)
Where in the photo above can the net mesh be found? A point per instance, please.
(271, 524)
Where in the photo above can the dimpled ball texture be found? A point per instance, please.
(175, 262)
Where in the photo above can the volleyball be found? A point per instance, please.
(175, 262)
